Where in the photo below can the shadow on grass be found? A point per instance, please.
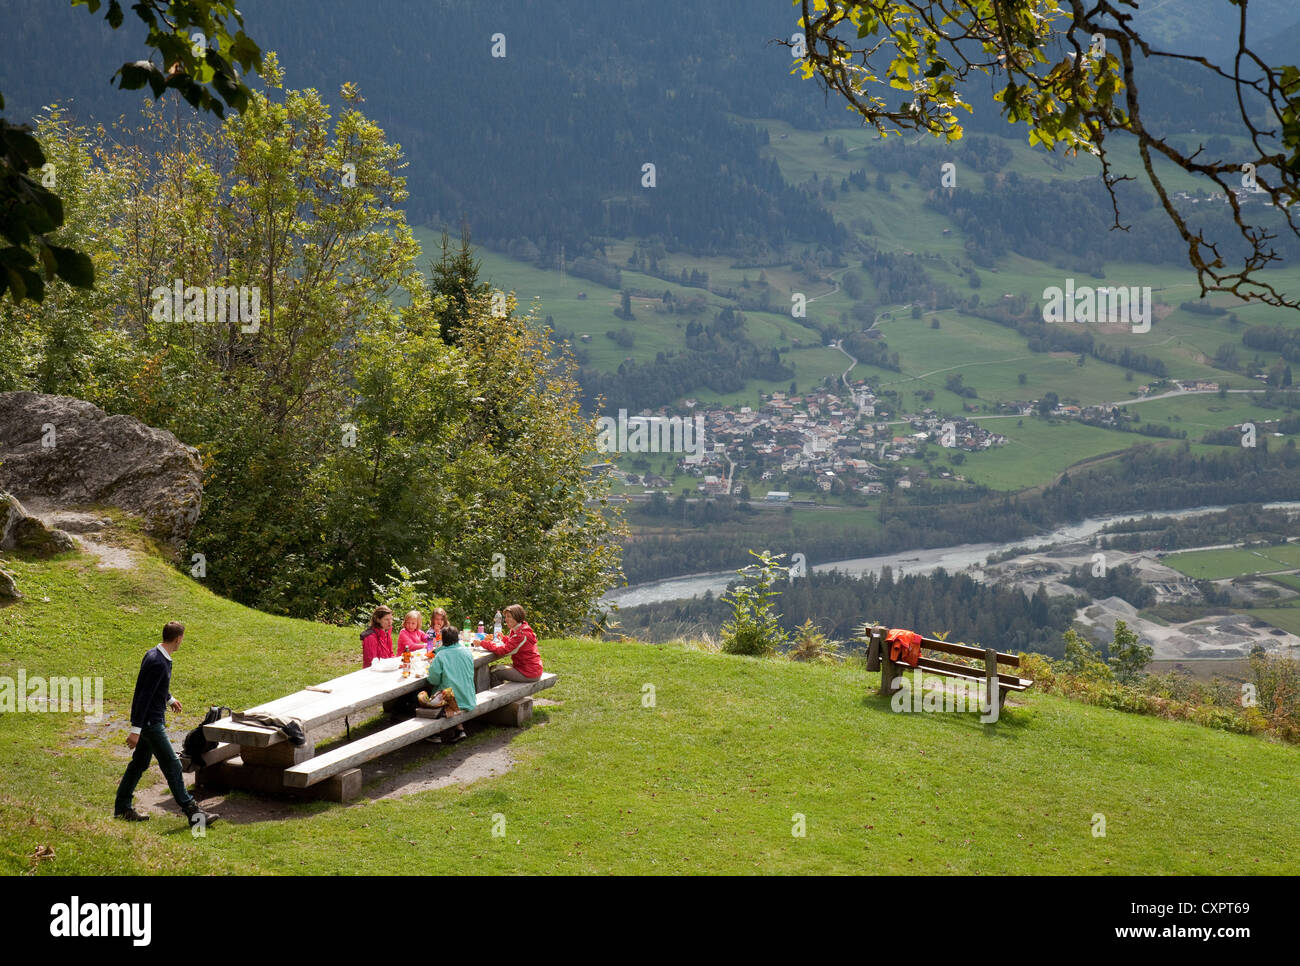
(418, 767)
(1010, 722)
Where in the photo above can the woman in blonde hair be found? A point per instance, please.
(520, 646)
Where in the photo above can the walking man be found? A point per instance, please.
(149, 732)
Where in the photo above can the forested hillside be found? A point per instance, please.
(533, 125)
(541, 149)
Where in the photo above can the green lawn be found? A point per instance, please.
(1201, 413)
(712, 778)
(1220, 564)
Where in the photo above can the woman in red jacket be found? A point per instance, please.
(520, 646)
(377, 639)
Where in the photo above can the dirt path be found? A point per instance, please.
(87, 529)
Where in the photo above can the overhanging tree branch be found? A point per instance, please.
(1066, 70)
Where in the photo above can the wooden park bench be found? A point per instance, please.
(254, 757)
(891, 671)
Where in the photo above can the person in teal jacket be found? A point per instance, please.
(451, 670)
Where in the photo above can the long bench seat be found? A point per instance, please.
(404, 733)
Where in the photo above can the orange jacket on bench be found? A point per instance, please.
(904, 646)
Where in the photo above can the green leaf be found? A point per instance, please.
(74, 267)
(138, 73)
(21, 145)
(937, 67)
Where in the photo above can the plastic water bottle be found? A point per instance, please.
(496, 627)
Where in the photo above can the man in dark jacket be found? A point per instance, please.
(149, 732)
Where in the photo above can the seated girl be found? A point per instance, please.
(411, 638)
(438, 623)
(520, 646)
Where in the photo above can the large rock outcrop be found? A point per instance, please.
(66, 452)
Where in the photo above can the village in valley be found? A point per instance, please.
(838, 443)
(843, 442)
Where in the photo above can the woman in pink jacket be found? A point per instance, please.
(377, 639)
(520, 646)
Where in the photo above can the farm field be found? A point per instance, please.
(1037, 451)
(1201, 413)
(1222, 564)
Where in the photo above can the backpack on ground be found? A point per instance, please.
(196, 745)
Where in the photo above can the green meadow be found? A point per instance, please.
(1037, 451)
(719, 772)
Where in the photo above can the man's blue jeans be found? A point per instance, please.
(153, 743)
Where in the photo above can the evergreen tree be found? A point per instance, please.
(1128, 655)
(456, 276)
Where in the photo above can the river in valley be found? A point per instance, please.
(952, 559)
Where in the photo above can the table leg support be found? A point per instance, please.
(514, 715)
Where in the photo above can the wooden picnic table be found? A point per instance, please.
(260, 758)
(330, 701)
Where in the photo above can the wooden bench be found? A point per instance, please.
(423, 725)
(223, 752)
(891, 671)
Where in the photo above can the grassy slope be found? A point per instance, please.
(708, 780)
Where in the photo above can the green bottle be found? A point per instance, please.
(465, 632)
